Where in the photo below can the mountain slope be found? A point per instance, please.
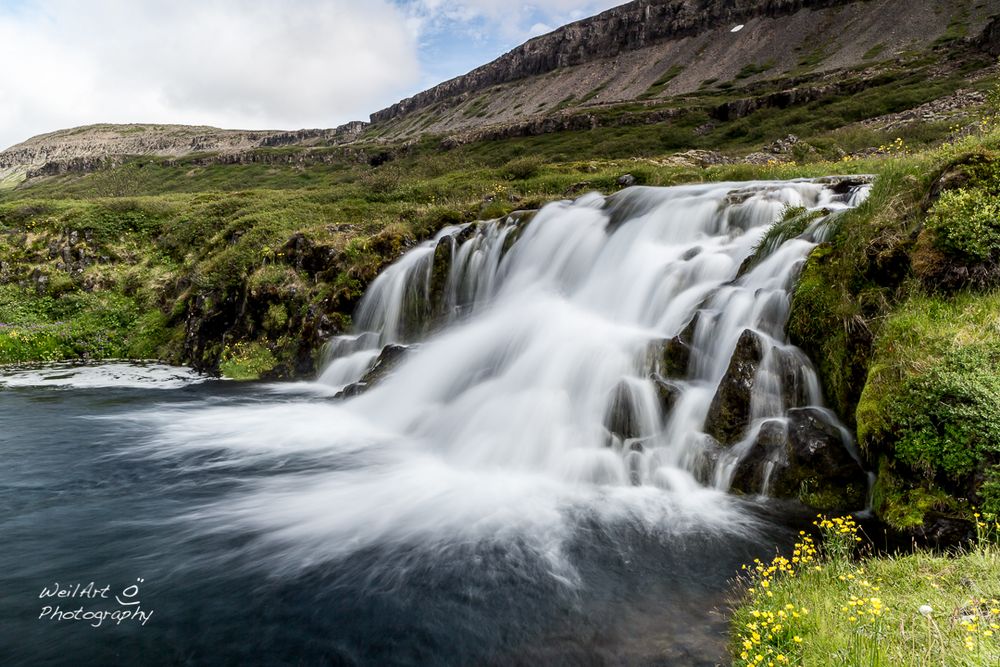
(85, 148)
(651, 50)
(672, 64)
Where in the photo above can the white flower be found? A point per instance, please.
(926, 609)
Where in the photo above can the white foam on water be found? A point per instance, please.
(108, 375)
(494, 427)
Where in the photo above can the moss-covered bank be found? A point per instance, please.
(900, 310)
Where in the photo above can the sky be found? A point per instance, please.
(247, 64)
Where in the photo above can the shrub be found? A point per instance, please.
(966, 223)
(522, 168)
(246, 361)
(948, 418)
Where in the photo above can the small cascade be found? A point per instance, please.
(631, 340)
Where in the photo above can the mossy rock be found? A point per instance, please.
(729, 414)
(621, 417)
(931, 406)
(804, 458)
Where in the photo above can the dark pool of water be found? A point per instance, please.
(73, 510)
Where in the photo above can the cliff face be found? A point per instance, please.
(637, 63)
(629, 27)
(649, 51)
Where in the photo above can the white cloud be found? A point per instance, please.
(244, 63)
(231, 63)
(511, 20)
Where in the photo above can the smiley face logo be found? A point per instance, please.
(129, 593)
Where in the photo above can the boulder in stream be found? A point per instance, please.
(388, 360)
(803, 457)
(621, 417)
(673, 356)
(729, 413)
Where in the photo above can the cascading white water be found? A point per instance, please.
(538, 334)
(526, 336)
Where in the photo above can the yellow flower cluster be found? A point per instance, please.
(759, 645)
(768, 638)
(980, 620)
(841, 525)
(863, 609)
(840, 535)
(805, 552)
(771, 625)
(897, 147)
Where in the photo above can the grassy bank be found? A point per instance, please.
(249, 282)
(899, 312)
(823, 606)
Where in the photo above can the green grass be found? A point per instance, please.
(754, 69)
(916, 610)
(914, 366)
(932, 400)
(76, 325)
(874, 52)
(657, 87)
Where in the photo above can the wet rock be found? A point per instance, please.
(621, 418)
(842, 185)
(944, 532)
(793, 368)
(577, 188)
(691, 253)
(627, 181)
(729, 413)
(444, 253)
(803, 457)
(388, 360)
(667, 392)
(675, 358)
(520, 220)
(675, 354)
(767, 450)
(352, 390)
(704, 455)
(821, 471)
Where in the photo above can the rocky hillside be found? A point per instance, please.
(86, 148)
(649, 51)
(644, 62)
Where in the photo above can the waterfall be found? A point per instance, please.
(524, 382)
(587, 342)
